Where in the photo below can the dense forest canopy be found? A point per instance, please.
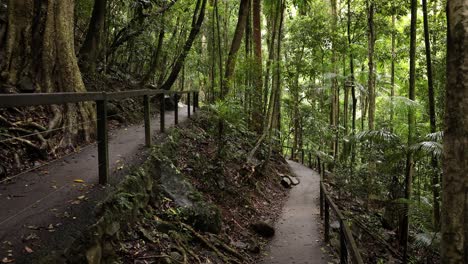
(360, 83)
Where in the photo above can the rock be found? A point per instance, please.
(335, 225)
(286, 182)
(203, 216)
(263, 229)
(26, 85)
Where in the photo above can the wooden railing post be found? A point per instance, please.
(146, 105)
(343, 249)
(176, 109)
(327, 220)
(162, 112)
(188, 104)
(102, 140)
(302, 156)
(321, 201)
(319, 166)
(310, 160)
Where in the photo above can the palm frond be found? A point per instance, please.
(377, 136)
(428, 147)
(436, 136)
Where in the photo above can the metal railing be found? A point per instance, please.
(348, 247)
(101, 99)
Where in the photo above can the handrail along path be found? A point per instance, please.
(348, 246)
(101, 99)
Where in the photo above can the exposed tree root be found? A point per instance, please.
(209, 244)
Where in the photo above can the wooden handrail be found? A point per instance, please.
(32, 99)
(345, 232)
(101, 99)
(348, 246)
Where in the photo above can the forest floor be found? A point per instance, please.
(376, 240)
(298, 238)
(245, 194)
(45, 208)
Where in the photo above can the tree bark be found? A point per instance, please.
(155, 59)
(197, 21)
(257, 111)
(454, 220)
(91, 49)
(370, 57)
(411, 131)
(235, 45)
(432, 117)
(39, 49)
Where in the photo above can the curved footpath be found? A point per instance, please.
(297, 239)
(46, 209)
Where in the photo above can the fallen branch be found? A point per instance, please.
(254, 150)
(208, 244)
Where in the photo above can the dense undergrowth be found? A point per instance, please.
(195, 200)
(224, 182)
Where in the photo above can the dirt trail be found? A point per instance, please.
(297, 238)
(45, 209)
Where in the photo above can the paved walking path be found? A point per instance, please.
(46, 208)
(297, 239)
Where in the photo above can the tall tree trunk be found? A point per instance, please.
(392, 78)
(220, 49)
(257, 113)
(235, 45)
(432, 117)
(370, 57)
(197, 21)
(454, 218)
(334, 113)
(155, 60)
(91, 49)
(272, 21)
(353, 85)
(39, 50)
(411, 130)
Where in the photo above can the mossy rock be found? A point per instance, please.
(203, 217)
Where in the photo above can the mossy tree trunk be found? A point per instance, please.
(454, 216)
(91, 49)
(257, 111)
(38, 52)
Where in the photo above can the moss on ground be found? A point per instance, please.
(203, 215)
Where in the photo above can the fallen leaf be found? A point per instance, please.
(28, 249)
(81, 197)
(31, 236)
(7, 260)
(79, 181)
